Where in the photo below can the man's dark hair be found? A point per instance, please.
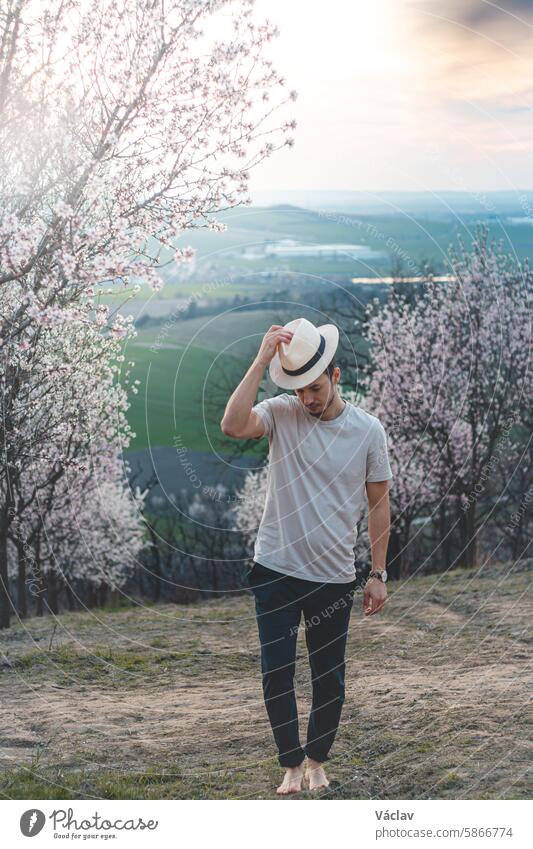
(332, 365)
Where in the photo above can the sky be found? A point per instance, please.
(404, 95)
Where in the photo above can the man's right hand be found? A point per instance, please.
(271, 340)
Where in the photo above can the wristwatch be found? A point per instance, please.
(380, 574)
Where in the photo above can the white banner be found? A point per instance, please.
(498, 823)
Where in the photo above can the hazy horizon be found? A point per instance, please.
(443, 203)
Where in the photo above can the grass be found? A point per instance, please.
(162, 780)
(424, 747)
(68, 666)
(56, 783)
(171, 706)
(451, 780)
(180, 384)
(184, 390)
(165, 781)
(168, 406)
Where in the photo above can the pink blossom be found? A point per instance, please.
(184, 255)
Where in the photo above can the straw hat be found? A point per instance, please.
(307, 355)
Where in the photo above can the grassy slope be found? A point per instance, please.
(165, 701)
(168, 406)
(185, 365)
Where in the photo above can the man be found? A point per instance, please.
(324, 451)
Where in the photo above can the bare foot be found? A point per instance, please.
(292, 780)
(315, 775)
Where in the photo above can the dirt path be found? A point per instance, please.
(165, 701)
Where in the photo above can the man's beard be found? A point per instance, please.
(320, 413)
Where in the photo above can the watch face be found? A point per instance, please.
(384, 575)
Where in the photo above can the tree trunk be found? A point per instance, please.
(394, 554)
(519, 538)
(39, 577)
(404, 547)
(5, 604)
(156, 564)
(41, 589)
(70, 597)
(91, 595)
(469, 542)
(22, 604)
(5, 600)
(445, 540)
(53, 602)
(156, 572)
(140, 578)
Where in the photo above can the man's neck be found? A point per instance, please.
(333, 409)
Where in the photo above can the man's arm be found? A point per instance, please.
(239, 421)
(378, 521)
(375, 591)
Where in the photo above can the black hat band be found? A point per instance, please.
(310, 363)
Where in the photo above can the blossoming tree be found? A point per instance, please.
(451, 375)
(66, 480)
(122, 126)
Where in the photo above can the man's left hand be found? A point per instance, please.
(374, 596)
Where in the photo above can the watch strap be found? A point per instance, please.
(374, 573)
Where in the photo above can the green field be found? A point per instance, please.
(184, 374)
(169, 399)
(186, 288)
(411, 238)
(180, 386)
(403, 239)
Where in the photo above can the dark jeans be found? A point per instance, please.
(279, 602)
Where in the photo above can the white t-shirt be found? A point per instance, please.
(316, 487)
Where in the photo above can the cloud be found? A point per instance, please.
(487, 15)
(476, 50)
(384, 85)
